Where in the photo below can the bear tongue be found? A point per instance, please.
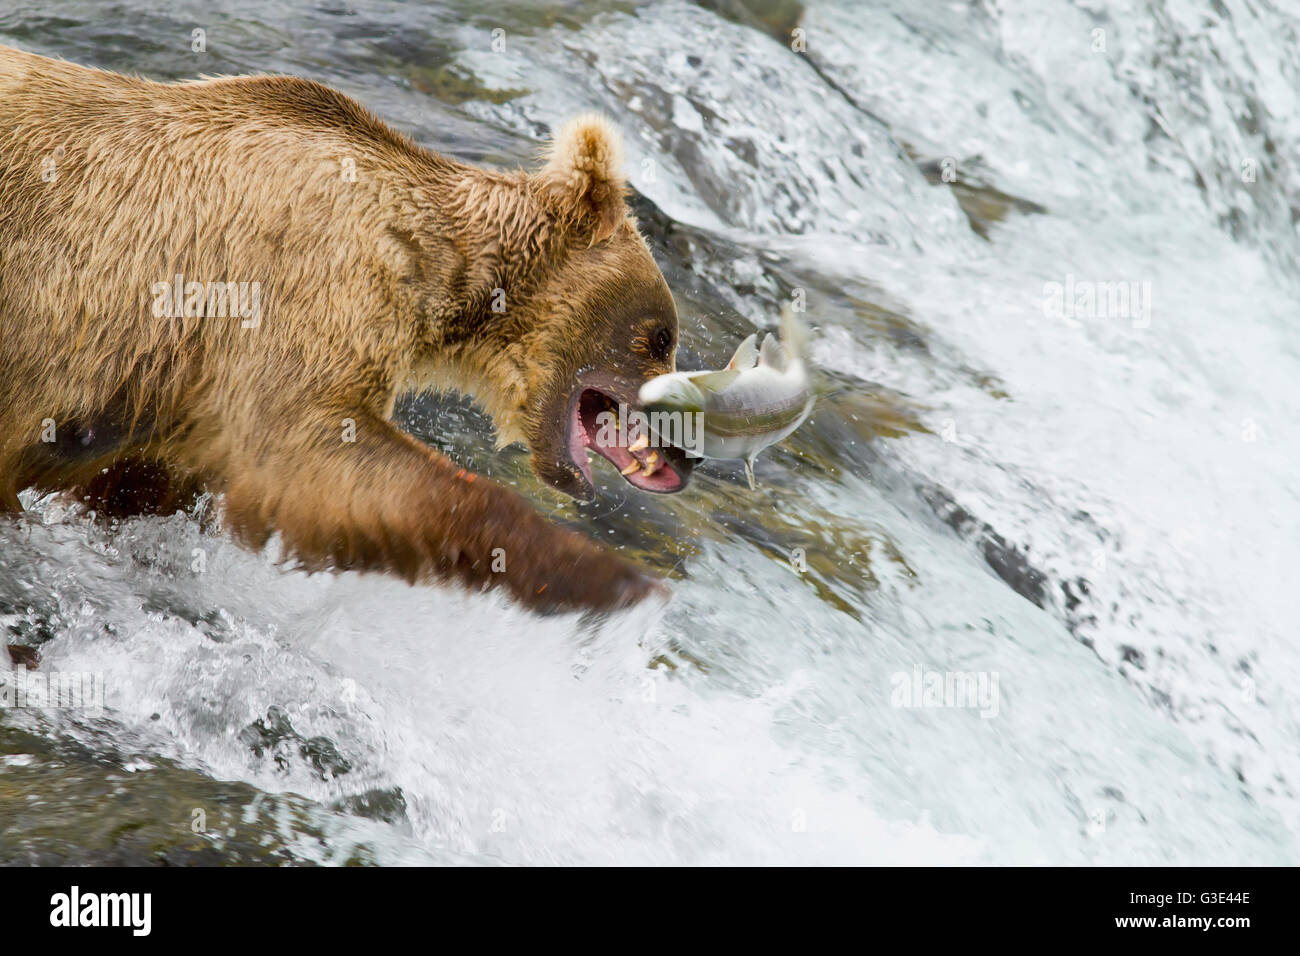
(639, 464)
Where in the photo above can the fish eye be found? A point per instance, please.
(662, 342)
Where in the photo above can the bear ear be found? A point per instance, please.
(582, 181)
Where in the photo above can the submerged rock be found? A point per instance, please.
(65, 804)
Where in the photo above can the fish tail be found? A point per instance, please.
(794, 334)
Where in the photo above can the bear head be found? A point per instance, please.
(593, 320)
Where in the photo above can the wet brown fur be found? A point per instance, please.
(369, 288)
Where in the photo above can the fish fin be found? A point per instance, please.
(746, 355)
(749, 473)
(770, 354)
(715, 381)
(794, 334)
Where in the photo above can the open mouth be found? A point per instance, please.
(598, 425)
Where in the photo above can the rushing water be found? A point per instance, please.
(1088, 504)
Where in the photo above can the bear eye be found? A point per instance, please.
(662, 342)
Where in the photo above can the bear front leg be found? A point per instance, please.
(353, 492)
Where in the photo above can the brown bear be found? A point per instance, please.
(224, 285)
